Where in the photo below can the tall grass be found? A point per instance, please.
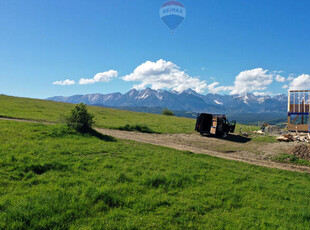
(55, 178)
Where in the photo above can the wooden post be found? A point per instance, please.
(288, 108)
(294, 102)
(304, 102)
(289, 102)
(299, 102)
(309, 120)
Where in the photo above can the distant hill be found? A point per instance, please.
(246, 108)
(155, 110)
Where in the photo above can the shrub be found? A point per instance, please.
(137, 128)
(79, 118)
(167, 112)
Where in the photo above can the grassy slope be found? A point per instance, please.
(50, 179)
(105, 118)
(42, 110)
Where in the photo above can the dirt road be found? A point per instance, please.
(234, 148)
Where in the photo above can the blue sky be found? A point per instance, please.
(46, 41)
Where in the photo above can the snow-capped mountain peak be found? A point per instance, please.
(218, 102)
(188, 100)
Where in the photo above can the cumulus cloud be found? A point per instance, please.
(65, 82)
(262, 93)
(164, 74)
(252, 80)
(291, 77)
(99, 77)
(256, 81)
(302, 82)
(214, 88)
(249, 81)
(279, 78)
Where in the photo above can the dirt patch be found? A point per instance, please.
(301, 151)
(231, 149)
(274, 130)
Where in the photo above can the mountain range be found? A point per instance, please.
(188, 100)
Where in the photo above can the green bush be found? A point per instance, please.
(80, 119)
(137, 128)
(167, 112)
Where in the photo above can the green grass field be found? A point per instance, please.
(53, 178)
(42, 110)
(287, 158)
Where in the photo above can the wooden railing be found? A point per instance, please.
(299, 108)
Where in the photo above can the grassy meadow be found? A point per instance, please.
(41, 110)
(55, 178)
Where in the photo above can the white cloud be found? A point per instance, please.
(212, 78)
(252, 80)
(65, 82)
(99, 77)
(279, 78)
(214, 88)
(164, 74)
(291, 77)
(262, 93)
(249, 81)
(302, 82)
(277, 72)
(256, 81)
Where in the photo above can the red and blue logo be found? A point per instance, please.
(172, 13)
